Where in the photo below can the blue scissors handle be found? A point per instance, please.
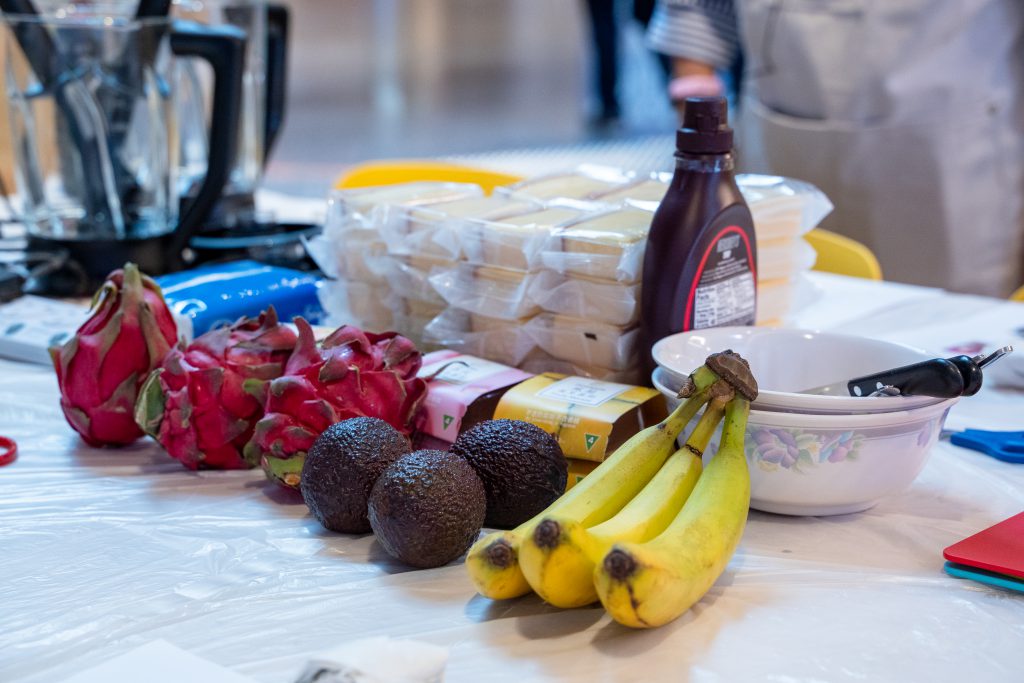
(1005, 446)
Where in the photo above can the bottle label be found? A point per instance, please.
(724, 290)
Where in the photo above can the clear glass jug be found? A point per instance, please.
(97, 139)
(263, 98)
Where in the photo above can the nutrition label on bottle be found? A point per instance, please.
(725, 292)
(725, 301)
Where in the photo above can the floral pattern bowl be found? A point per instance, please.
(831, 464)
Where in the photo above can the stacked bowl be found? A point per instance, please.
(811, 453)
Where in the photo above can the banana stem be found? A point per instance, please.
(735, 430)
(700, 437)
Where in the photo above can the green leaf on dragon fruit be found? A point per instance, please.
(78, 419)
(257, 388)
(285, 471)
(149, 408)
(123, 398)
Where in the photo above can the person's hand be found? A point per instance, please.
(692, 79)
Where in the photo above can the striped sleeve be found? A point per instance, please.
(701, 30)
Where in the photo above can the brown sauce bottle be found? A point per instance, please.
(700, 267)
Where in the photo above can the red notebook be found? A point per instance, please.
(999, 548)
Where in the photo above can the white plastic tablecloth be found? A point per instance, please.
(105, 550)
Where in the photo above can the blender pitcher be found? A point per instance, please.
(96, 135)
(263, 99)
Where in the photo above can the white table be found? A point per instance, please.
(105, 550)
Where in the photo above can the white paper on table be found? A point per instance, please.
(158, 662)
(30, 325)
(378, 660)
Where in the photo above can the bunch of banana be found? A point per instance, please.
(558, 559)
(493, 562)
(644, 585)
(646, 532)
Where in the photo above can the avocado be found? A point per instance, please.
(343, 465)
(522, 468)
(427, 508)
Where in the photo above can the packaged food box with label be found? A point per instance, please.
(590, 418)
(462, 391)
(578, 469)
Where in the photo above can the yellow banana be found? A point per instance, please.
(644, 585)
(493, 561)
(558, 558)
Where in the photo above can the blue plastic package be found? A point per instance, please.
(218, 294)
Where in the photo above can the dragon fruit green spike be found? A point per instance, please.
(202, 403)
(100, 369)
(351, 373)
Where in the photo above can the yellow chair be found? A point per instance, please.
(1018, 295)
(842, 255)
(415, 170)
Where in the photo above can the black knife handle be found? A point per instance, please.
(938, 377)
(971, 373)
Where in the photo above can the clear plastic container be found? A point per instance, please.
(779, 259)
(411, 319)
(352, 241)
(485, 290)
(584, 342)
(608, 246)
(777, 300)
(356, 303)
(515, 241)
(647, 190)
(354, 207)
(604, 301)
(434, 229)
(782, 207)
(503, 341)
(361, 257)
(586, 182)
(409, 277)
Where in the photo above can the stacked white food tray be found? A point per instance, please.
(543, 274)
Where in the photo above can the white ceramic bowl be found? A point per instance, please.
(786, 362)
(834, 463)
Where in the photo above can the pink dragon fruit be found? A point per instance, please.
(101, 368)
(205, 399)
(351, 373)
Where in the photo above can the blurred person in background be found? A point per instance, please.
(909, 114)
(604, 34)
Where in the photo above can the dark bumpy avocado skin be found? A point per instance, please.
(522, 468)
(427, 508)
(343, 465)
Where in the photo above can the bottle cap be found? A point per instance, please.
(705, 127)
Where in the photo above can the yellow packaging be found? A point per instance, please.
(577, 470)
(590, 418)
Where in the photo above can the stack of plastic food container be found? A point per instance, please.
(369, 250)
(488, 292)
(544, 275)
(783, 210)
